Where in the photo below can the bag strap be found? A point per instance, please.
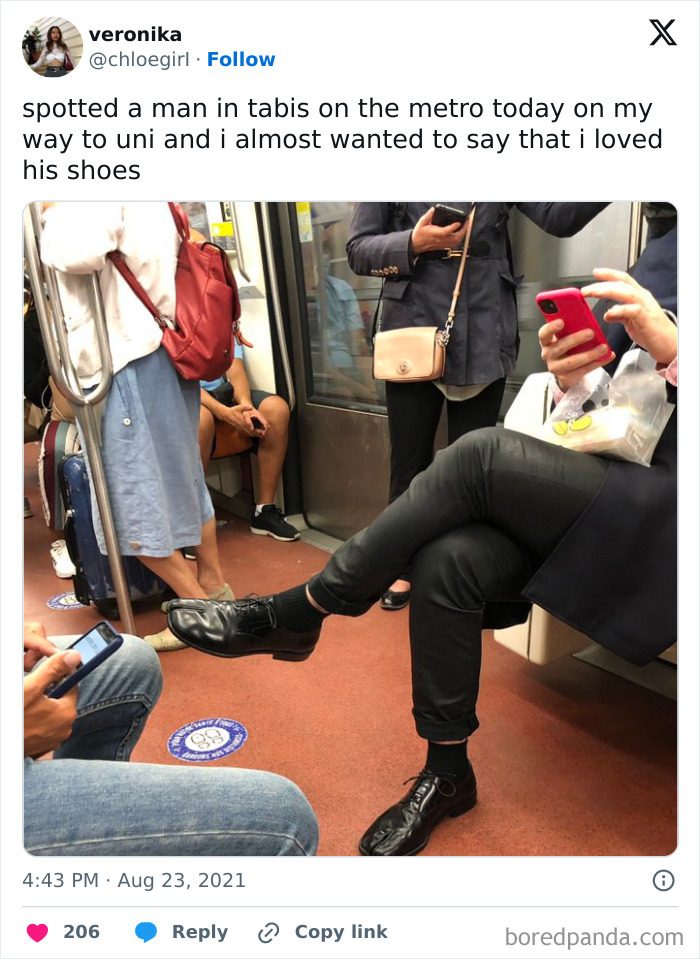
(445, 335)
(120, 264)
(397, 212)
(182, 224)
(376, 321)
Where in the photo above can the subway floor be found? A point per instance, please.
(571, 760)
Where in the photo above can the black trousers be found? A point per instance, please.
(414, 413)
(474, 527)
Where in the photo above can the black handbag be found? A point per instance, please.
(223, 393)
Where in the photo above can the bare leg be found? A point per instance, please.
(177, 573)
(314, 603)
(400, 586)
(209, 572)
(273, 447)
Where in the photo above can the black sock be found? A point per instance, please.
(448, 760)
(294, 610)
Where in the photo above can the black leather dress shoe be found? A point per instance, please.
(405, 828)
(246, 627)
(393, 599)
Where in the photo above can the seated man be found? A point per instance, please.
(234, 418)
(90, 801)
(499, 520)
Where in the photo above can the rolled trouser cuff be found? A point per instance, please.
(328, 601)
(441, 732)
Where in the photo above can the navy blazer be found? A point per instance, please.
(614, 575)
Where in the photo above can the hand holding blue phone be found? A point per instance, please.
(94, 648)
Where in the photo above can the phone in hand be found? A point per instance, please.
(258, 424)
(568, 305)
(446, 215)
(97, 645)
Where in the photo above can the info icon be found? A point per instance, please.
(664, 880)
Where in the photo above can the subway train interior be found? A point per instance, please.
(576, 753)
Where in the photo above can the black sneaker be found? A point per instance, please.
(270, 521)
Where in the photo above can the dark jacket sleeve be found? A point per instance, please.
(561, 219)
(373, 248)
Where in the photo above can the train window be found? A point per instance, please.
(547, 262)
(340, 308)
(341, 305)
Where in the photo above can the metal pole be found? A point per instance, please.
(55, 336)
(239, 241)
(276, 304)
(636, 225)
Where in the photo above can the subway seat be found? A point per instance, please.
(543, 638)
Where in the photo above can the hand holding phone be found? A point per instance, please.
(97, 645)
(576, 345)
(48, 722)
(441, 228)
(444, 215)
(36, 645)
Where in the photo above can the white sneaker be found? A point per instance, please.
(62, 564)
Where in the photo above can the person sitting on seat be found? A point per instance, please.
(499, 520)
(89, 800)
(233, 418)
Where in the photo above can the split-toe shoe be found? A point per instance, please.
(405, 828)
(246, 627)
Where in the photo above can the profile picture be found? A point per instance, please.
(52, 47)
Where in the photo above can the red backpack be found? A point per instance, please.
(207, 307)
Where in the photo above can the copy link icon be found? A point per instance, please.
(268, 932)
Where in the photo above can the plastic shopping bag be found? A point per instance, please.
(622, 417)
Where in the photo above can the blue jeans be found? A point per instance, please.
(89, 801)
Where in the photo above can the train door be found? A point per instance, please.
(343, 435)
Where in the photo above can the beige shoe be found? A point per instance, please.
(223, 593)
(164, 642)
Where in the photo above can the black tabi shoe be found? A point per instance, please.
(405, 828)
(246, 627)
(393, 599)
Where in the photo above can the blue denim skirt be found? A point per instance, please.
(151, 458)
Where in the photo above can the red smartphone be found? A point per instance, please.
(568, 305)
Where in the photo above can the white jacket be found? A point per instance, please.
(76, 240)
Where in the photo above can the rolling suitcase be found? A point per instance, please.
(92, 582)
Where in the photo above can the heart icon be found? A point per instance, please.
(37, 933)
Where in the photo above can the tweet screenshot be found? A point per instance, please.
(356, 619)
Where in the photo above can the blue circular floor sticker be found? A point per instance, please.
(206, 740)
(64, 601)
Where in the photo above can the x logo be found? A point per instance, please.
(662, 31)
